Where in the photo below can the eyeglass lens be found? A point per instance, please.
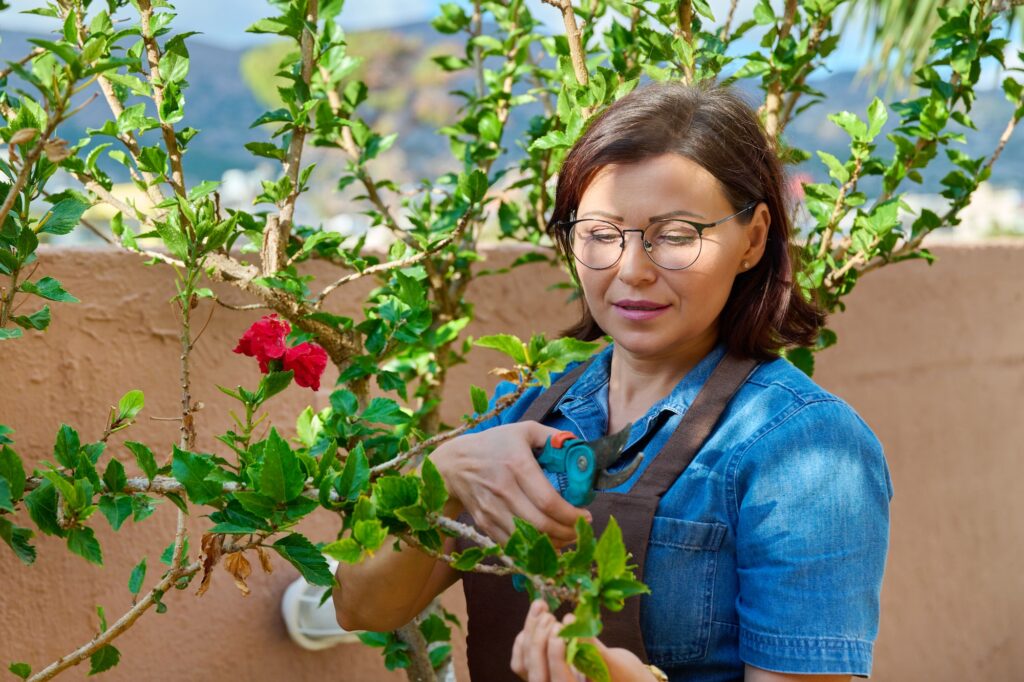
(672, 244)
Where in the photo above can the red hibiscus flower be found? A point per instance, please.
(308, 361)
(264, 340)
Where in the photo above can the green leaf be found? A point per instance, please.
(435, 494)
(384, 411)
(38, 320)
(473, 186)
(191, 471)
(168, 554)
(542, 558)
(137, 577)
(144, 457)
(587, 659)
(255, 503)
(877, 116)
(344, 402)
(117, 509)
(105, 658)
(42, 508)
(48, 288)
(17, 539)
(802, 358)
(763, 13)
(130, 404)
(282, 478)
(346, 550)
(394, 492)
(505, 343)
(370, 534)
(479, 397)
(64, 216)
(9, 333)
(13, 472)
(143, 507)
(610, 552)
(82, 541)
(114, 477)
(439, 654)
(434, 629)
(355, 476)
(6, 503)
(415, 516)
(273, 383)
(303, 555)
(22, 670)
(466, 561)
(835, 167)
(65, 450)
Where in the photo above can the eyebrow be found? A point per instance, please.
(663, 216)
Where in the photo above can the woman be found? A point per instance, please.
(759, 515)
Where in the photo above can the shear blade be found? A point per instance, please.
(607, 480)
(608, 449)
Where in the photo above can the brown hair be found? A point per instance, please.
(713, 126)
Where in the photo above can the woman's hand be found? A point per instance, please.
(538, 654)
(494, 475)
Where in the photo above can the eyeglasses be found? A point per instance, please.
(672, 243)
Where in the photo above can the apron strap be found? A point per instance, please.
(697, 424)
(540, 407)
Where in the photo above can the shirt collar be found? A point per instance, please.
(597, 375)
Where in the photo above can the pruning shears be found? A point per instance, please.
(580, 467)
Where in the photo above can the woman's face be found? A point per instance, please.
(687, 303)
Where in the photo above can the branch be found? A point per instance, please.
(123, 623)
(277, 228)
(545, 587)
(572, 34)
(833, 221)
(805, 70)
(177, 179)
(773, 101)
(401, 263)
(727, 27)
(684, 12)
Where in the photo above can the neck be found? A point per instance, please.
(648, 378)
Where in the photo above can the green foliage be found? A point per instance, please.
(348, 458)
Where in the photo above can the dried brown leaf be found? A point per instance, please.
(505, 374)
(24, 135)
(238, 566)
(56, 150)
(265, 560)
(212, 549)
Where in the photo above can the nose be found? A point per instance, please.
(635, 264)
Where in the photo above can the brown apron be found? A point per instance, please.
(497, 611)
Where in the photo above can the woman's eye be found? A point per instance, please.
(677, 238)
(605, 236)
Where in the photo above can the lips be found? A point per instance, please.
(630, 304)
(639, 311)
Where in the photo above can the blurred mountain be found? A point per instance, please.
(410, 95)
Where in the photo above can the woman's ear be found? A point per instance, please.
(756, 237)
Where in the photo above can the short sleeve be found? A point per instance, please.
(811, 511)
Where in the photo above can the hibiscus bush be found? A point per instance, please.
(356, 459)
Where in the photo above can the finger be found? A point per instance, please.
(560, 670)
(537, 656)
(523, 640)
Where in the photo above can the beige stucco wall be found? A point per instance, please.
(932, 358)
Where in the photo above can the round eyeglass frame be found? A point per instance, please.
(567, 225)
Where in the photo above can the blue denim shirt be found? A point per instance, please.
(770, 548)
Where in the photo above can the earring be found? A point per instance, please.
(746, 265)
